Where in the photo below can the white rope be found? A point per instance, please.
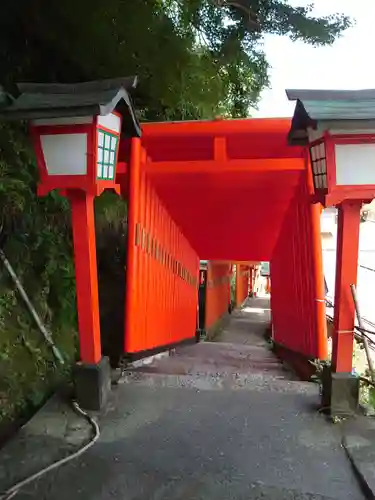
(15, 489)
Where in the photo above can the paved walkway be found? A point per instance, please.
(218, 421)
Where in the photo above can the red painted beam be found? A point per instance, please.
(212, 166)
(217, 127)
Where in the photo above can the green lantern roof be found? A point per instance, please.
(44, 100)
(313, 106)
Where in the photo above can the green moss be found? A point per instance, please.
(36, 240)
(36, 237)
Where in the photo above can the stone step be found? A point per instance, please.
(185, 368)
(219, 381)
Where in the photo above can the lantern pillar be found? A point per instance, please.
(92, 373)
(346, 274)
(343, 390)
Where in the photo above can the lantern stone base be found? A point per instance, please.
(340, 393)
(92, 384)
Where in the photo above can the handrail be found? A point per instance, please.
(365, 267)
(361, 334)
(360, 324)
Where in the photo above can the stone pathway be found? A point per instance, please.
(218, 420)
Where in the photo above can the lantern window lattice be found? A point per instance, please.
(107, 153)
(319, 165)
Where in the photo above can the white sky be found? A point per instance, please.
(348, 64)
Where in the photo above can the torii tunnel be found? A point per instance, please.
(225, 191)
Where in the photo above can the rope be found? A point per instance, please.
(15, 489)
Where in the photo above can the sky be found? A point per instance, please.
(347, 64)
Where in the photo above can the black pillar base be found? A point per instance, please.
(340, 395)
(92, 384)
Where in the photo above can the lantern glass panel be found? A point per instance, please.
(355, 164)
(65, 154)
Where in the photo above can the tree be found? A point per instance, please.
(195, 58)
(231, 32)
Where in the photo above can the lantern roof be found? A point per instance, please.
(54, 100)
(313, 106)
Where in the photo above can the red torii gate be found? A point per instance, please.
(239, 192)
(233, 190)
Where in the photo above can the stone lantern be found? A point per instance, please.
(76, 131)
(337, 128)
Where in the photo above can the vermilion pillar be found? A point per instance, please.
(238, 284)
(318, 281)
(346, 274)
(230, 276)
(268, 284)
(133, 203)
(83, 222)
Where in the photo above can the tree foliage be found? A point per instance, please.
(195, 58)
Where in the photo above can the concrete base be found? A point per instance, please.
(131, 357)
(340, 393)
(200, 335)
(92, 384)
